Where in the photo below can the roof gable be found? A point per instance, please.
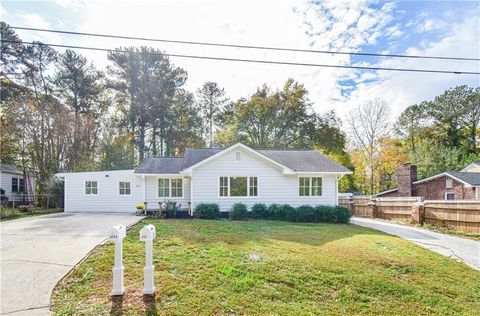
(291, 161)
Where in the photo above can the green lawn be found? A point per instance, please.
(205, 268)
(8, 213)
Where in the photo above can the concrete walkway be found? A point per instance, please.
(36, 252)
(461, 249)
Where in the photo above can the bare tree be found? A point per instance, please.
(368, 124)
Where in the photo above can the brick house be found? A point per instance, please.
(449, 185)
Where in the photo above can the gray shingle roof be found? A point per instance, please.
(297, 160)
(303, 160)
(9, 169)
(164, 165)
(472, 178)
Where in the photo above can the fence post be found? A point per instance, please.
(372, 208)
(418, 212)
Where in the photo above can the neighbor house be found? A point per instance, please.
(450, 185)
(209, 175)
(17, 186)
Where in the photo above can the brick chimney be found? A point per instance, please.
(406, 175)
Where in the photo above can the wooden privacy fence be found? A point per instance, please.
(457, 215)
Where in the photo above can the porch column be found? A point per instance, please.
(191, 195)
(144, 189)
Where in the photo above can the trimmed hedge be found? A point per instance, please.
(260, 211)
(207, 211)
(238, 212)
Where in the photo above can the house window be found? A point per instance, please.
(304, 186)
(310, 186)
(449, 183)
(238, 186)
(223, 186)
(449, 196)
(163, 187)
(21, 185)
(177, 188)
(14, 184)
(125, 188)
(91, 188)
(253, 186)
(238, 156)
(317, 186)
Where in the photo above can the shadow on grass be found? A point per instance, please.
(150, 304)
(117, 305)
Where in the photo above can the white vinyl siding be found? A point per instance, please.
(107, 199)
(6, 184)
(272, 186)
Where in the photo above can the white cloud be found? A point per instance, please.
(401, 90)
(3, 14)
(36, 21)
(430, 24)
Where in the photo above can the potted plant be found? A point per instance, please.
(140, 208)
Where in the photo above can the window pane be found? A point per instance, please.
(238, 186)
(14, 185)
(316, 186)
(125, 188)
(91, 187)
(223, 186)
(177, 188)
(304, 186)
(163, 187)
(253, 186)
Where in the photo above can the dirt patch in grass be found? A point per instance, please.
(269, 267)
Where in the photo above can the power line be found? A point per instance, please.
(253, 60)
(244, 46)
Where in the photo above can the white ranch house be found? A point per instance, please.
(209, 175)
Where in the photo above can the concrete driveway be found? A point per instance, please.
(461, 249)
(36, 252)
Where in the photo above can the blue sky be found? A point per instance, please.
(445, 28)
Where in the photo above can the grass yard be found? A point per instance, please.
(8, 213)
(269, 267)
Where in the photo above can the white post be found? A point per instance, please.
(117, 234)
(147, 234)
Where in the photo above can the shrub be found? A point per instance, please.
(273, 212)
(343, 214)
(326, 214)
(207, 211)
(238, 212)
(306, 213)
(288, 212)
(259, 210)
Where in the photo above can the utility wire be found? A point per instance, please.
(252, 60)
(244, 46)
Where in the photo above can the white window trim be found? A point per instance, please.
(248, 196)
(446, 193)
(85, 188)
(170, 188)
(238, 154)
(309, 188)
(118, 191)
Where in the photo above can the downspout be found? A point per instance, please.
(191, 193)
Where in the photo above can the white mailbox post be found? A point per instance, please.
(117, 234)
(147, 234)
